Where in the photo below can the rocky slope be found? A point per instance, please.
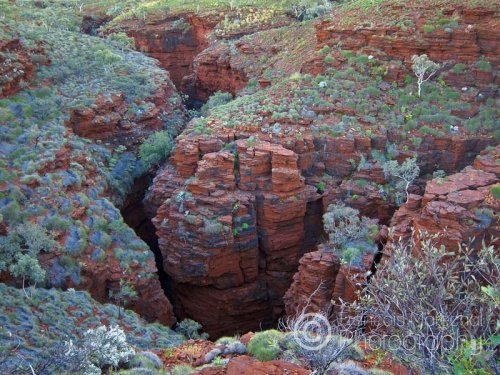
(66, 185)
(32, 330)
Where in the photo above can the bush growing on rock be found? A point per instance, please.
(100, 347)
(350, 235)
(404, 173)
(190, 329)
(216, 100)
(343, 225)
(321, 342)
(265, 346)
(147, 360)
(156, 148)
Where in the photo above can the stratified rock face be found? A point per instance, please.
(233, 233)
(475, 36)
(459, 207)
(322, 279)
(243, 197)
(213, 71)
(233, 222)
(174, 40)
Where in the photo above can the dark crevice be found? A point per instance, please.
(134, 215)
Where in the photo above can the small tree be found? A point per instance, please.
(406, 173)
(343, 225)
(424, 69)
(19, 252)
(190, 330)
(124, 295)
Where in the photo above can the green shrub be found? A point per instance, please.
(459, 68)
(57, 222)
(483, 65)
(216, 100)
(265, 346)
(156, 148)
(329, 59)
(495, 191)
(225, 340)
(20, 248)
(145, 359)
(350, 254)
(474, 357)
(190, 329)
(325, 50)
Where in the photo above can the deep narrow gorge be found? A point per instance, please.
(235, 210)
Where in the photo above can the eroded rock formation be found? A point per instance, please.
(322, 279)
(460, 207)
(111, 119)
(17, 65)
(174, 40)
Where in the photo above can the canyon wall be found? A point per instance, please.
(174, 40)
(460, 208)
(234, 221)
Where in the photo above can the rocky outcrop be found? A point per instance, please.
(232, 234)
(114, 120)
(98, 252)
(212, 72)
(17, 66)
(243, 196)
(246, 365)
(234, 221)
(473, 35)
(460, 207)
(322, 279)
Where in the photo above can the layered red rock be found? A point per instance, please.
(460, 207)
(110, 118)
(233, 234)
(212, 72)
(174, 40)
(322, 279)
(474, 36)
